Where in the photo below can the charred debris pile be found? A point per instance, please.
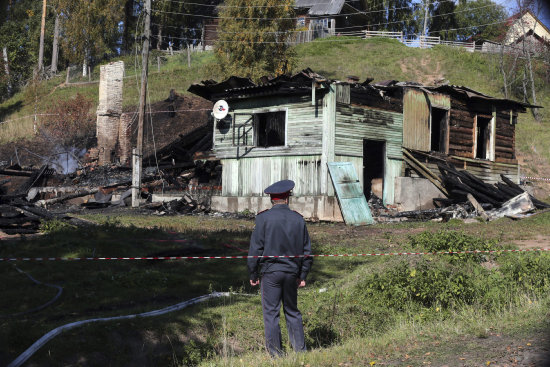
(181, 170)
(468, 196)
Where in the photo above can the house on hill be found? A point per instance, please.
(291, 127)
(518, 28)
(329, 15)
(526, 26)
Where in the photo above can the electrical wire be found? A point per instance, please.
(296, 18)
(268, 6)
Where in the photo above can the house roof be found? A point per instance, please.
(239, 88)
(301, 83)
(455, 91)
(321, 7)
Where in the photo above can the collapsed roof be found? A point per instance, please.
(301, 83)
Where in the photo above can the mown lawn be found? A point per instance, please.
(384, 310)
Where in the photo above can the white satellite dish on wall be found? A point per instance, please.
(220, 110)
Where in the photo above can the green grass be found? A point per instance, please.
(344, 324)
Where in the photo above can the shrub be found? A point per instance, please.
(70, 121)
(453, 241)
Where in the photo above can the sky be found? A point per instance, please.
(544, 16)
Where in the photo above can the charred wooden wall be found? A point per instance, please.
(462, 135)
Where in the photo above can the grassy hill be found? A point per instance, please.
(380, 59)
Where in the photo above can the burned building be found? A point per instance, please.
(291, 127)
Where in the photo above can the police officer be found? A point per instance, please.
(280, 231)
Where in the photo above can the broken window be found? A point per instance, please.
(483, 137)
(439, 130)
(270, 129)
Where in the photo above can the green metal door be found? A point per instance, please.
(353, 204)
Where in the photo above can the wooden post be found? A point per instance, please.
(188, 55)
(202, 37)
(68, 75)
(158, 64)
(136, 157)
(136, 177)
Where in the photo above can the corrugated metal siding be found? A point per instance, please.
(303, 126)
(416, 117)
(353, 124)
(250, 176)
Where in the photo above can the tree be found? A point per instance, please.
(19, 34)
(444, 21)
(479, 19)
(388, 15)
(90, 29)
(253, 37)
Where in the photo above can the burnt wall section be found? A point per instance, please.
(463, 138)
(109, 110)
(124, 147)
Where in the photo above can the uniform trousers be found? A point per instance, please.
(277, 287)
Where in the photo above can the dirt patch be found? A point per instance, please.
(539, 241)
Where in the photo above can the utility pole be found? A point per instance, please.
(42, 31)
(138, 151)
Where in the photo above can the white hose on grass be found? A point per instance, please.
(53, 333)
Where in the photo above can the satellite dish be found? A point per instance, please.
(220, 110)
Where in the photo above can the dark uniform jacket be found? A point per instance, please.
(279, 231)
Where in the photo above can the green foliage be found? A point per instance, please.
(254, 38)
(91, 28)
(444, 18)
(385, 15)
(452, 241)
(475, 19)
(54, 225)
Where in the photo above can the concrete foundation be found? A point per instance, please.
(310, 207)
(415, 193)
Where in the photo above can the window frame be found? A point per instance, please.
(255, 128)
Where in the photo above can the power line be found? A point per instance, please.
(266, 6)
(336, 40)
(296, 18)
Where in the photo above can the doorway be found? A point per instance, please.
(374, 157)
(483, 133)
(439, 130)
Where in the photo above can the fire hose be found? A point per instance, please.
(59, 291)
(23, 357)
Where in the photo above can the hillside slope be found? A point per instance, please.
(381, 59)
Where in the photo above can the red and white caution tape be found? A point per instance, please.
(265, 256)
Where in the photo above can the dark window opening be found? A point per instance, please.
(374, 153)
(439, 130)
(483, 137)
(270, 129)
